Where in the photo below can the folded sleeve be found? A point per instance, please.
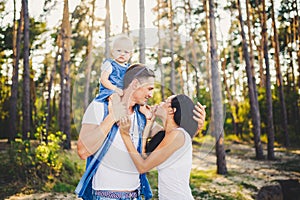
(94, 113)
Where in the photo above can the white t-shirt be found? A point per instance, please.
(116, 170)
(174, 173)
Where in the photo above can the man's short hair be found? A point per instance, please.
(137, 71)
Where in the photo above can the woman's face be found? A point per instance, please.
(164, 107)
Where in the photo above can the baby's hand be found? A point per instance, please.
(119, 91)
(124, 125)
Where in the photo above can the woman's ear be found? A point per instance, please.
(172, 111)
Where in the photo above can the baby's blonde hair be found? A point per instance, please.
(122, 38)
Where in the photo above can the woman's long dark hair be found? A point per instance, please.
(183, 115)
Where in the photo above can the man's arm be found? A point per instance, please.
(91, 136)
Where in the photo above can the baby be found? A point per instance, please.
(112, 74)
(113, 70)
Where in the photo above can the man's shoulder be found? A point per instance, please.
(95, 105)
(94, 113)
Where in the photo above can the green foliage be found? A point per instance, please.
(48, 153)
(22, 160)
(153, 181)
(36, 29)
(44, 165)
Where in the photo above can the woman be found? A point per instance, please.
(173, 156)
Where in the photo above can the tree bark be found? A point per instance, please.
(216, 95)
(205, 6)
(275, 43)
(255, 114)
(107, 30)
(125, 24)
(270, 124)
(159, 55)
(67, 51)
(26, 74)
(89, 58)
(13, 114)
(297, 34)
(142, 32)
(259, 46)
(62, 99)
(170, 16)
(250, 42)
(48, 109)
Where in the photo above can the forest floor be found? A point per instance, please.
(244, 178)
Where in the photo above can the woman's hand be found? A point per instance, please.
(199, 115)
(148, 111)
(124, 125)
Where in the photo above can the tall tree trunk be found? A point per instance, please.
(170, 16)
(125, 24)
(15, 78)
(48, 109)
(216, 95)
(250, 41)
(26, 74)
(187, 16)
(195, 66)
(297, 34)
(275, 43)
(270, 124)
(255, 114)
(159, 55)
(107, 29)
(205, 6)
(33, 113)
(62, 100)
(295, 110)
(230, 98)
(66, 28)
(89, 58)
(142, 32)
(259, 46)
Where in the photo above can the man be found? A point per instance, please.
(110, 171)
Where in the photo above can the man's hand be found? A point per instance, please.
(199, 115)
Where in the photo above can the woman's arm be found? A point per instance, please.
(166, 148)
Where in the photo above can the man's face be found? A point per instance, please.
(144, 91)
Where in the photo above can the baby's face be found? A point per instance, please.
(122, 51)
